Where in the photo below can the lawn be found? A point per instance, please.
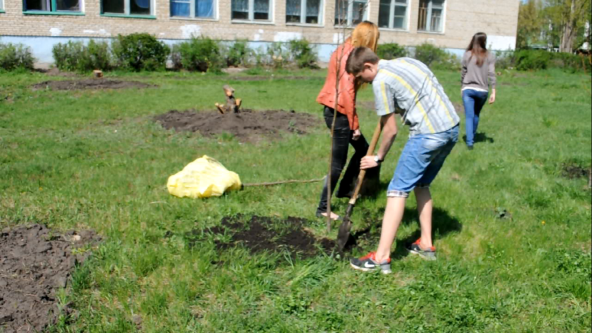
(513, 233)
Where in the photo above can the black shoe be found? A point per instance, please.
(470, 147)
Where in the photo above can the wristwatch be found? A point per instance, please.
(377, 160)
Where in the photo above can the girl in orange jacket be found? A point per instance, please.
(347, 127)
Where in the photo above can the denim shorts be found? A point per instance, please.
(421, 160)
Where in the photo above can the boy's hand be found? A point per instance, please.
(356, 135)
(368, 162)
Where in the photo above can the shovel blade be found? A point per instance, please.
(344, 233)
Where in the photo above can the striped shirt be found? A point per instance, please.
(407, 86)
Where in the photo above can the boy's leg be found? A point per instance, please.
(469, 104)
(424, 208)
(393, 214)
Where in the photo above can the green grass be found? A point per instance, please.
(95, 159)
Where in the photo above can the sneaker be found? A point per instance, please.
(368, 263)
(429, 254)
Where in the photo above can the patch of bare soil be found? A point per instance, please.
(34, 264)
(246, 126)
(56, 72)
(96, 84)
(261, 233)
(572, 171)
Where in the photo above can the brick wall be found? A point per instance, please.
(462, 19)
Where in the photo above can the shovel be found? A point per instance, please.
(346, 225)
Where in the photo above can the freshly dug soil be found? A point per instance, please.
(246, 126)
(34, 264)
(97, 84)
(260, 233)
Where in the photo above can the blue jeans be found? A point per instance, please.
(473, 101)
(421, 160)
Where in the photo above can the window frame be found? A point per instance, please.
(192, 4)
(428, 25)
(53, 9)
(392, 9)
(303, 14)
(251, 14)
(126, 11)
(350, 12)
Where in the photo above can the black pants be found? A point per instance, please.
(342, 138)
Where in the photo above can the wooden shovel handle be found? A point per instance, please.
(369, 153)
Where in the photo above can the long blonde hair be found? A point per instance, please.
(365, 34)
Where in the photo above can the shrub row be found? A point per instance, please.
(139, 52)
(15, 56)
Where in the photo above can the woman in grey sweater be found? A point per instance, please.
(477, 76)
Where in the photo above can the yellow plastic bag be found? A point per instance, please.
(203, 178)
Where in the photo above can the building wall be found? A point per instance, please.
(462, 18)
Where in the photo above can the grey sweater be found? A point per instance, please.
(473, 76)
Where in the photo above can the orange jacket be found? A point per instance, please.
(347, 90)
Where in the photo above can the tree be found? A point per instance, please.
(529, 23)
(568, 18)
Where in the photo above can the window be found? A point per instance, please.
(431, 15)
(251, 10)
(393, 14)
(1, 5)
(193, 8)
(350, 12)
(303, 11)
(51, 5)
(127, 7)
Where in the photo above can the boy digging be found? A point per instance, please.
(406, 86)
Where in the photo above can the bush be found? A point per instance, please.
(504, 60)
(532, 60)
(303, 54)
(140, 51)
(237, 54)
(391, 51)
(435, 57)
(200, 54)
(75, 56)
(14, 56)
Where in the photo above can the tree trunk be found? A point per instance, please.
(568, 31)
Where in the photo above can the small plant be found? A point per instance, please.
(140, 51)
(277, 55)
(14, 56)
(303, 54)
(200, 54)
(391, 51)
(237, 54)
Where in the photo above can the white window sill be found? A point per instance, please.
(183, 18)
(306, 25)
(252, 22)
(430, 32)
(393, 30)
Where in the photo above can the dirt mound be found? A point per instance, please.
(261, 233)
(246, 126)
(35, 263)
(90, 84)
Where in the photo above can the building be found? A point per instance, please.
(445, 23)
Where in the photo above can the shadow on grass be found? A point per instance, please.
(442, 225)
(480, 137)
